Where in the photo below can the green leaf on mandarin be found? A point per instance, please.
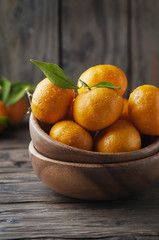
(55, 74)
(106, 84)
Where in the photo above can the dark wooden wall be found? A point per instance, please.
(79, 34)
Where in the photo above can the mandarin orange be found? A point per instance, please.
(121, 136)
(97, 108)
(70, 133)
(17, 111)
(125, 115)
(104, 73)
(143, 107)
(51, 103)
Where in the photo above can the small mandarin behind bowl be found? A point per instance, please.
(17, 111)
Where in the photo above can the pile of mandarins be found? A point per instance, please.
(98, 117)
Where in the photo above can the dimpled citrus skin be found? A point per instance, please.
(69, 115)
(121, 136)
(125, 115)
(51, 103)
(104, 73)
(70, 133)
(17, 111)
(143, 107)
(3, 113)
(97, 108)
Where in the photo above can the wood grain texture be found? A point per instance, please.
(144, 43)
(96, 181)
(28, 29)
(80, 34)
(29, 210)
(77, 220)
(124, 33)
(93, 33)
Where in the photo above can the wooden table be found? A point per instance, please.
(30, 210)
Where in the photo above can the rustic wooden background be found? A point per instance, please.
(76, 35)
(79, 34)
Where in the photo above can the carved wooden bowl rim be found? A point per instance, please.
(95, 181)
(33, 151)
(71, 154)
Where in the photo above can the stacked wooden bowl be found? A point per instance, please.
(90, 175)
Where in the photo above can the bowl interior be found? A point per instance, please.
(145, 139)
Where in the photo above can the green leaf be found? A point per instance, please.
(55, 74)
(5, 89)
(4, 120)
(18, 91)
(106, 84)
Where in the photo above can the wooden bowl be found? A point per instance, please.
(51, 148)
(95, 181)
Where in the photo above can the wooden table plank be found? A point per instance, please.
(93, 220)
